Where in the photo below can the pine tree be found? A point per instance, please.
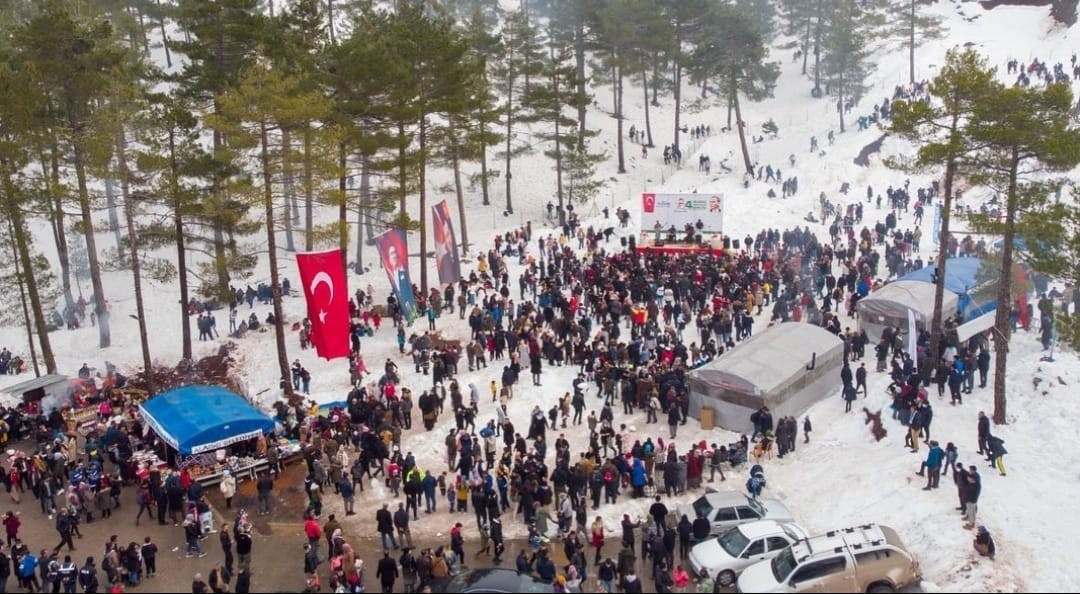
(1024, 134)
(484, 112)
(940, 129)
(253, 114)
(17, 128)
(222, 38)
(847, 54)
(171, 161)
(521, 51)
(74, 61)
(738, 59)
(906, 20)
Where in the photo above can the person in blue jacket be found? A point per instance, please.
(934, 458)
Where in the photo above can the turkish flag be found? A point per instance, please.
(327, 292)
(649, 202)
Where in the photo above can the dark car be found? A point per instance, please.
(493, 580)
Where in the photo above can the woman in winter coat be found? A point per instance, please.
(597, 538)
(228, 488)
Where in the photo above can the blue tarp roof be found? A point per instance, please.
(959, 274)
(197, 419)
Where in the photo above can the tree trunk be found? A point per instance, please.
(133, 253)
(942, 257)
(343, 207)
(655, 83)
(55, 203)
(645, 88)
(423, 206)
(742, 130)
(142, 31)
(509, 124)
(330, 21)
(181, 248)
(459, 191)
(840, 101)
(579, 61)
(114, 217)
(403, 173)
(1002, 325)
(287, 182)
(30, 325)
(806, 47)
(911, 46)
(309, 193)
(678, 94)
(365, 196)
(619, 117)
(100, 308)
(817, 50)
(484, 186)
(164, 36)
(275, 286)
(22, 247)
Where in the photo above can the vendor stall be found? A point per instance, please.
(200, 423)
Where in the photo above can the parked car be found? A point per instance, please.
(868, 558)
(492, 581)
(725, 556)
(727, 509)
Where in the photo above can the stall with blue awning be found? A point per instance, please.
(196, 419)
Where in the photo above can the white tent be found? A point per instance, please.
(787, 367)
(889, 306)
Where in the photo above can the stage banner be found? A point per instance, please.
(680, 210)
(326, 290)
(446, 254)
(394, 253)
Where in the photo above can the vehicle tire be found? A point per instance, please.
(881, 588)
(726, 578)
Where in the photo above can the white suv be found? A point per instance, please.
(725, 556)
(867, 558)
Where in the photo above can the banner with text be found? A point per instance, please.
(680, 210)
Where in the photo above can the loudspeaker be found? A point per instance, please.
(735, 244)
(632, 242)
(727, 243)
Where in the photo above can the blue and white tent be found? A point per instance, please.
(197, 419)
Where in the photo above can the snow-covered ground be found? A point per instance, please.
(843, 477)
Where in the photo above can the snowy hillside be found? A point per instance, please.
(843, 477)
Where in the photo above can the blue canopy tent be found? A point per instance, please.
(197, 419)
(960, 279)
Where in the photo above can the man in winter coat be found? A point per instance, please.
(984, 433)
(387, 572)
(971, 496)
(932, 464)
(384, 524)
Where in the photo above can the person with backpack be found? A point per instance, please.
(146, 499)
(756, 482)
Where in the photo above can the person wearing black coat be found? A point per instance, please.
(387, 572)
(243, 582)
(686, 530)
(984, 433)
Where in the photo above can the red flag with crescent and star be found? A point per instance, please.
(327, 292)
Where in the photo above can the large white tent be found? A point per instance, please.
(889, 306)
(788, 367)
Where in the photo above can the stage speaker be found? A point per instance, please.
(659, 242)
(735, 243)
(727, 243)
(698, 239)
(622, 240)
(632, 242)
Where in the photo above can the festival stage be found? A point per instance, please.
(647, 246)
